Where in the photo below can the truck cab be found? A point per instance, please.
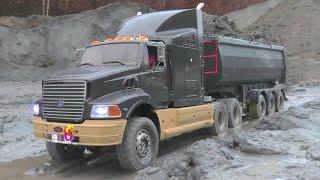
(152, 82)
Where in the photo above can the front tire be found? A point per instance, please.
(63, 152)
(140, 144)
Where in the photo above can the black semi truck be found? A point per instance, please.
(158, 78)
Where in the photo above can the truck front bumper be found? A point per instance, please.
(89, 133)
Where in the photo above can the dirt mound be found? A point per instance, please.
(33, 47)
(296, 22)
(221, 25)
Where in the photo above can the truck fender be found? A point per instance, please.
(127, 100)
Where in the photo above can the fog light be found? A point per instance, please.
(36, 109)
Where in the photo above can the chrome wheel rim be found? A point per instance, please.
(143, 144)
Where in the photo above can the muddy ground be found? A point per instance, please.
(285, 145)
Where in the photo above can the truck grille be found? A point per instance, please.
(63, 100)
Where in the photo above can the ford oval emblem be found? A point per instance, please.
(57, 129)
(60, 104)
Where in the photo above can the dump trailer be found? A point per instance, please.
(157, 79)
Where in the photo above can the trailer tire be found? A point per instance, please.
(140, 144)
(63, 152)
(271, 104)
(234, 112)
(259, 109)
(220, 115)
(280, 102)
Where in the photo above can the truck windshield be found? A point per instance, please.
(122, 53)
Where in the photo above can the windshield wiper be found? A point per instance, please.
(87, 64)
(113, 62)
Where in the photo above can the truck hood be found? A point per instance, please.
(87, 72)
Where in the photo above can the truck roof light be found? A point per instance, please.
(93, 43)
(121, 38)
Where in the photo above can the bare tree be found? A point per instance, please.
(67, 7)
(48, 7)
(43, 7)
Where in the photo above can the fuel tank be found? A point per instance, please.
(229, 61)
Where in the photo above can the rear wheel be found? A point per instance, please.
(63, 152)
(258, 110)
(280, 102)
(220, 117)
(139, 146)
(234, 112)
(272, 104)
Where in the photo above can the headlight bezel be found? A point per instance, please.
(102, 111)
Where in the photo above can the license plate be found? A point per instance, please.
(54, 137)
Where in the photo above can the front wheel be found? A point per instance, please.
(139, 146)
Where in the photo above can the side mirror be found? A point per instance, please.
(161, 51)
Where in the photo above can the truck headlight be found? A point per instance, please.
(105, 111)
(36, 109)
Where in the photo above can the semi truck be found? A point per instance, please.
(156, 79)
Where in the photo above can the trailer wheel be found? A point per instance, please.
(272, 104)
(280, 102)
(139, 146)
(258, 110)
(63, 152)
(220, 116)
(234, 112)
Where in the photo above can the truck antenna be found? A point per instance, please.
(200, 6)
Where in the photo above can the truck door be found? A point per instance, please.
(186, 73)
(156, 83)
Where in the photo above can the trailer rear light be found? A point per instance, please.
(105, 111)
